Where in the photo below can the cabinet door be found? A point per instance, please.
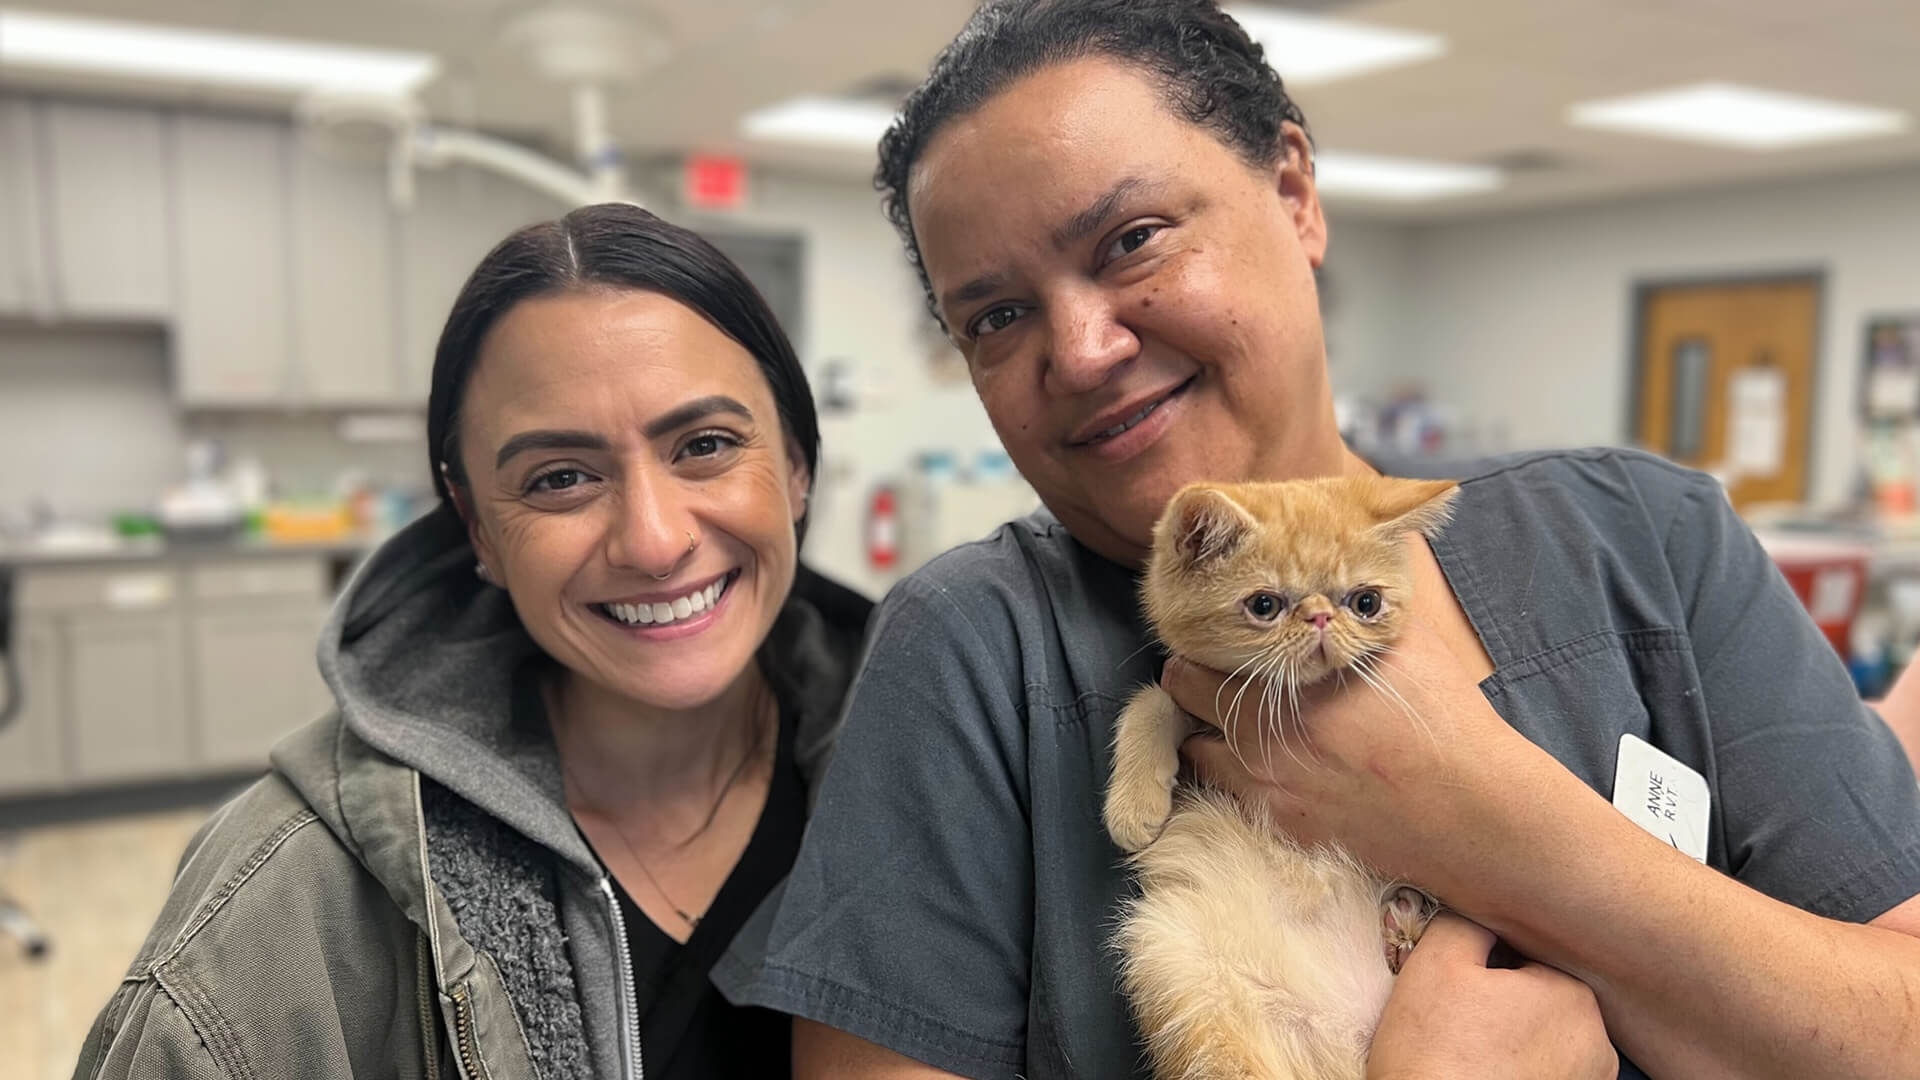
(458, 215)
(23, 264)
(234, 334)
(126, 696)
(111, 230)
(257, 677)
(31, 758)
(345, 328)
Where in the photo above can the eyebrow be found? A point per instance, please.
(1083, 224)
(547, 440)
(692, 412)
(978, 289)
(1077, 228)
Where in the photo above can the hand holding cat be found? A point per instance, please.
(1417, 781)
(1449, 1009)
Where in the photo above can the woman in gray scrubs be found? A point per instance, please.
(1112, 204)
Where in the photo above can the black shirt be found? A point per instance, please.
(687, 1030)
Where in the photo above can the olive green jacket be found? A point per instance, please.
(405, 893)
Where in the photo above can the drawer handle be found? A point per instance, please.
(134, 593)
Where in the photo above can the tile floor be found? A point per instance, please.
(95, 888)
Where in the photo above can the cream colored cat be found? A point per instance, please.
(1246, 955)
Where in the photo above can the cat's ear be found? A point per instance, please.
(1404, 506)
(1204, 523)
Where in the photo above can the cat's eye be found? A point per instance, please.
(1265, 606)
(1365, 603)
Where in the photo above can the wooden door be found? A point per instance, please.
(1726, 382)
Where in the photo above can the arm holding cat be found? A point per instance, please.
(1453, 1018)
(1697, 974)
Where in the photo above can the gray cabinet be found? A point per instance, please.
(458, 215)
(31, 757)
(151, 670)
(255, 667)
(24, 289)
(126, 696)
(255, 626)
(108, 219)
(233, 335)
(344, 320)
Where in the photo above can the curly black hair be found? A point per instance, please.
(1204, 64)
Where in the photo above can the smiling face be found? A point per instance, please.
(630, 485)
(1135, 301)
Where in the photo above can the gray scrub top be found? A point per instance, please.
(955, 891)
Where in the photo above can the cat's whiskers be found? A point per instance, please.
(1264, 675)
(1364, 666)
(1125, 660)
(1230, 720)
(1306, 733)
(1285, 689)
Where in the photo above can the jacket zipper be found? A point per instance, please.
(635, 1066)
(463, 1032)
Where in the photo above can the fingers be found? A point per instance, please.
(1213, 760)
(1199, 690)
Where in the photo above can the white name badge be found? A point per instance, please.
(1662, 796)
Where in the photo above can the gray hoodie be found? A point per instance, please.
(405, 893)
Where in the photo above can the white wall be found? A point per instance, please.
(1527, 319)
(1366, 294)
(863, 304)
(87, 425)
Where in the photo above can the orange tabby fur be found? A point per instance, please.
(1246, 955)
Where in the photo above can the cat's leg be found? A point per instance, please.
(1146, 757)
(1246, 957)
(1404, 914)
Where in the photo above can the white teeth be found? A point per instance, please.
(1121, 428)
(700, 600)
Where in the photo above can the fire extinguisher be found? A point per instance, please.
(883, 529)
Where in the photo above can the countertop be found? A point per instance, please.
(155, 549)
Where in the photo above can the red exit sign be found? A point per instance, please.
(714, 182)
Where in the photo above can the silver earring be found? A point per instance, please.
(480, 571)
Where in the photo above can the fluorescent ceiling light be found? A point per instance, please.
(821, 120)
(1369, 176)
(1310, 49)
(1738, 116)
(32, 39)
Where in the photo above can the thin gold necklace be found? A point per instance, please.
(752, 754)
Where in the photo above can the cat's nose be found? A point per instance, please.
(1320, 619)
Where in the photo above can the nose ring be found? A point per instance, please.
(676, 562)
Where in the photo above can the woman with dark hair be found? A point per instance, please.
(1113, 208)
(580, 709)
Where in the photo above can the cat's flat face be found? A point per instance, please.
(1292, 580)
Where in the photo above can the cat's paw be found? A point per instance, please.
(1404, 915)
(1136, 813)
